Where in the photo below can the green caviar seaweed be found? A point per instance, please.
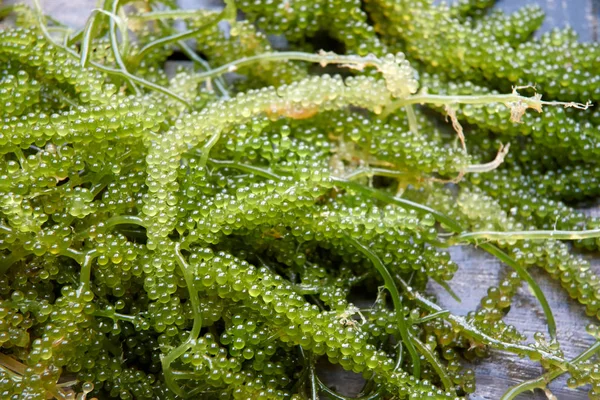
(210, 231)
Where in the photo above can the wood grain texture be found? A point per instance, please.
(478, 270)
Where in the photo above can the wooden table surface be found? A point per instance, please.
(478, 269)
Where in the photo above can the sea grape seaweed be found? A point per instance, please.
(204, 232)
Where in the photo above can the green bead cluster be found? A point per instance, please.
(18, 93)
(50, 64)
(344, 20)
(210, 232)
(513, 29)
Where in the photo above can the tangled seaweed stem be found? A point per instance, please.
(142, 82)
(174, 354)
(534, 102)
(164, 14)
(115, 316)
(474, 333)
(399, 361)
(388, 198)
(176, 38)
(435, 315)
(392, 173)
(114, 221)
(545, 379)
(526, 276)
(113, 20)
(435, 364)
(513, 101)
(105, 69)
(194, 57)
(208, 145)
(5, 229)
(489, 166)
(242, 167)
(323, 58)
(412, 119)
(369, 172)
(75, 255)
(391, 287)
(86, 270)
(527, 235)
(312, 379)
